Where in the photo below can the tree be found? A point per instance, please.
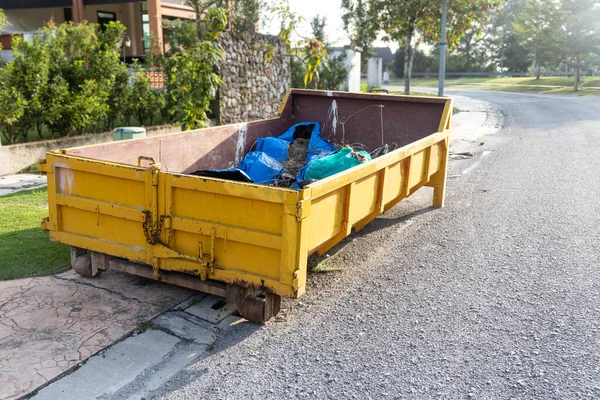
(506, 52)
(87, 62)
(359, 22)
(405, 21)
(318, 25)
(29, 75)
(539, 27)
(582, 30)
(422, 62)
(12, 106)
(191, 66)
(310, 51)
(332, 76)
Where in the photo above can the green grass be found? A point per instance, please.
(527, 84)
(26, 250)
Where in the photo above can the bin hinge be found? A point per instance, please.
(212, 256)
(47, 226)
(303, 209)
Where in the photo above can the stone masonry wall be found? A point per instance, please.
(253, 88)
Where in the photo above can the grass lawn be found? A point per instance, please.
(26, 250)
(527, 84)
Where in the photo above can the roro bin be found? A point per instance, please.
(131, 206)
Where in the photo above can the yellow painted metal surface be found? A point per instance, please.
(239, 233)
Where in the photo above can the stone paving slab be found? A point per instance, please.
(50, 324)
(213, 309)
(118, 366)
(184, 328)
(14, 183)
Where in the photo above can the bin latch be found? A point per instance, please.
(211, 263)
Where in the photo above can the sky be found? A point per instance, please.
(332, 10)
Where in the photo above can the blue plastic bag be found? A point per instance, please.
(274, 147)
(261, 167)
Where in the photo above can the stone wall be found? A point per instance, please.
(16, 157)
(253, 88)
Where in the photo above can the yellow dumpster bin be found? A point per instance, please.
(131, 206)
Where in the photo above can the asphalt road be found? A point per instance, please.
(496, 296)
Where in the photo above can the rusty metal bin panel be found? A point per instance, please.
(105, 199)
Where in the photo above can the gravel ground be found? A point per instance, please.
(496, 296)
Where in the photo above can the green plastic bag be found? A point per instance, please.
(344, 159)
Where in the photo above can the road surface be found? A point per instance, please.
(496, 296)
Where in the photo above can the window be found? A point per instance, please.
(68, 14)
(146, 31)
(104, 17)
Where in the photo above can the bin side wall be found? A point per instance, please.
(352, 199)
(225, 231)
(359, 117)
(210, 148)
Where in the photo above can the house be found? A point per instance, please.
(386, 55)
(143, 19)
(353, 57)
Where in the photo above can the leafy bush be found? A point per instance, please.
(65, 79)
(191, 67)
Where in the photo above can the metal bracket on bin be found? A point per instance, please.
(152, 233)
(153, 164)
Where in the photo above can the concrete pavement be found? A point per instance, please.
(50, 324)
(14, 183)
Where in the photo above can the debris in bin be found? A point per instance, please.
(296, 158)
(344, 159)
(232, 174)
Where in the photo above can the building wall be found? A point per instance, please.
(129, 14)
(253, 88)
(32, 19)
(352, 83)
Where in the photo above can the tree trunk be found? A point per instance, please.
(577, 71)
(412, 59)
(38, 127)
(407, 65)
(537, 76)
(469, 63)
